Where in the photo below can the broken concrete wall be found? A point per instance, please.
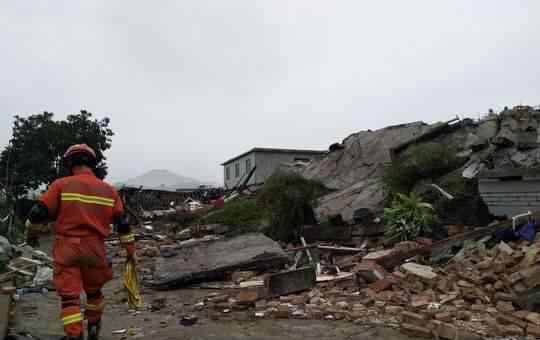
(211, 260)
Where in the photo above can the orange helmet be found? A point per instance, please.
(80, 153)
(80, 149)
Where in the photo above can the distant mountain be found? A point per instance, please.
(162, 179)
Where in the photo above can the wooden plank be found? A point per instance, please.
(327, 233)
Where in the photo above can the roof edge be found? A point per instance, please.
(275, 150)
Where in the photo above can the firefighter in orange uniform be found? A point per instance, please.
(84, 208)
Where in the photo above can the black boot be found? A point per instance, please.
(93, 331)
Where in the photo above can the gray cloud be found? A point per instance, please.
(188, 84)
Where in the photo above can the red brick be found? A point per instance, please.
(380, 285)
(247, 297)
(416, 331)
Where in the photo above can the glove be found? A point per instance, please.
(33, 231)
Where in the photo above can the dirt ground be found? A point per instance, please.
(38, 316)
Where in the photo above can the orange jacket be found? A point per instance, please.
(82, 205)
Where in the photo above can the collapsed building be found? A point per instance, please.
(355, 169)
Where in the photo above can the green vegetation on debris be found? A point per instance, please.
(288, 200)
(428, 160)
(407, 218)
(241, 212)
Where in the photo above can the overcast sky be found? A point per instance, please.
(188, 84)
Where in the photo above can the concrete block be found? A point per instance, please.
(291, 282)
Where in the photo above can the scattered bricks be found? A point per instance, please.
(503, 297)
(379, 255)
(533, 330)
(498, 267)
(262, 304)
(464, 315)
(299, 300)
(280, 312)
(505, 307)
(444, 299)
(416, 331)
(343, 305)
(447, 331)
(521, 314)
(478, 308)
(380, 285)
(399, 275)
(458, 303)
(424, 272)
(489, 278)
(369, 271)
(420, 300)
(445, 317)
(406, 246)
(514, 278)
(465, 284)
(442, 285)
(505, 248)
(510, 320)
(533, 318)
(393, 310)
(509, 330)
(413, 318)
(247, 297)
(484, 265)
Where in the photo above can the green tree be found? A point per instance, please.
(33, 155)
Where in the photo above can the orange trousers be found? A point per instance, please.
(80, 265)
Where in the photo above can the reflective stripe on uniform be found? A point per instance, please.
(68, 320)
(127, 238)
(95, 308)
(88, 199)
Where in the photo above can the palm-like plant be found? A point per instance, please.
(407, 218)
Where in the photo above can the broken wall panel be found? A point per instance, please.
(212, 260)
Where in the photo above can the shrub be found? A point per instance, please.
(289, 200)
(427, 160)
(407, 218)
(238, 213)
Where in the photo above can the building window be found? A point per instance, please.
(227, 173)
(248, 165)
(237, 169)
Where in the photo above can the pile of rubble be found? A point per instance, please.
(481, 293)
(26, 270)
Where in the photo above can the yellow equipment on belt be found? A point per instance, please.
(131, 282)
